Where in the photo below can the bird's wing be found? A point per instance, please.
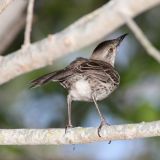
(53, 76)
(60, 75)
(94, 68)
(100, 70)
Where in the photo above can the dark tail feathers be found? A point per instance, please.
(42, 80)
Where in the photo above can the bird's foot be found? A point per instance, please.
(103, 123)
(68, 126)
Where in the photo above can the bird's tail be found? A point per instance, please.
(42, 80)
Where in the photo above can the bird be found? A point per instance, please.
(90, 80)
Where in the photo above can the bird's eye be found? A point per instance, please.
(110, 50)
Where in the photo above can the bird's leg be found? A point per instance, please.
(103, 122)
(69, 123)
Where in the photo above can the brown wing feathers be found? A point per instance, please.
(79, 66)
(57, 75)
(53, 76)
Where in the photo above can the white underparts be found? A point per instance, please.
(81, 90)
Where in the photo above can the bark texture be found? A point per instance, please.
(78, 135)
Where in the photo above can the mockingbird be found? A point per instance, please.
(90, 79)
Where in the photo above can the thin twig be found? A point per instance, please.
(151, 50)
(78, 135)
(27, 36)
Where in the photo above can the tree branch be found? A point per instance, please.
(11, 22)
(4, 4)
(85, 31)
(27, 37)
(151, 50)
(78, 135)
(12, 32)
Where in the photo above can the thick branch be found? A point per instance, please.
(85, 31)
(11, 22)
(78, 135)
(12, 32)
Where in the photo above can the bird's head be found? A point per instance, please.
(106, 51)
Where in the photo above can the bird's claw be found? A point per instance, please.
(68, 126)
(103, 123)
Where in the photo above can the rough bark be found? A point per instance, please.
(78, 135)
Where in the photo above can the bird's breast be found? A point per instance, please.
(81, 90)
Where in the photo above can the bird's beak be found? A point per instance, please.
(119, 39)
